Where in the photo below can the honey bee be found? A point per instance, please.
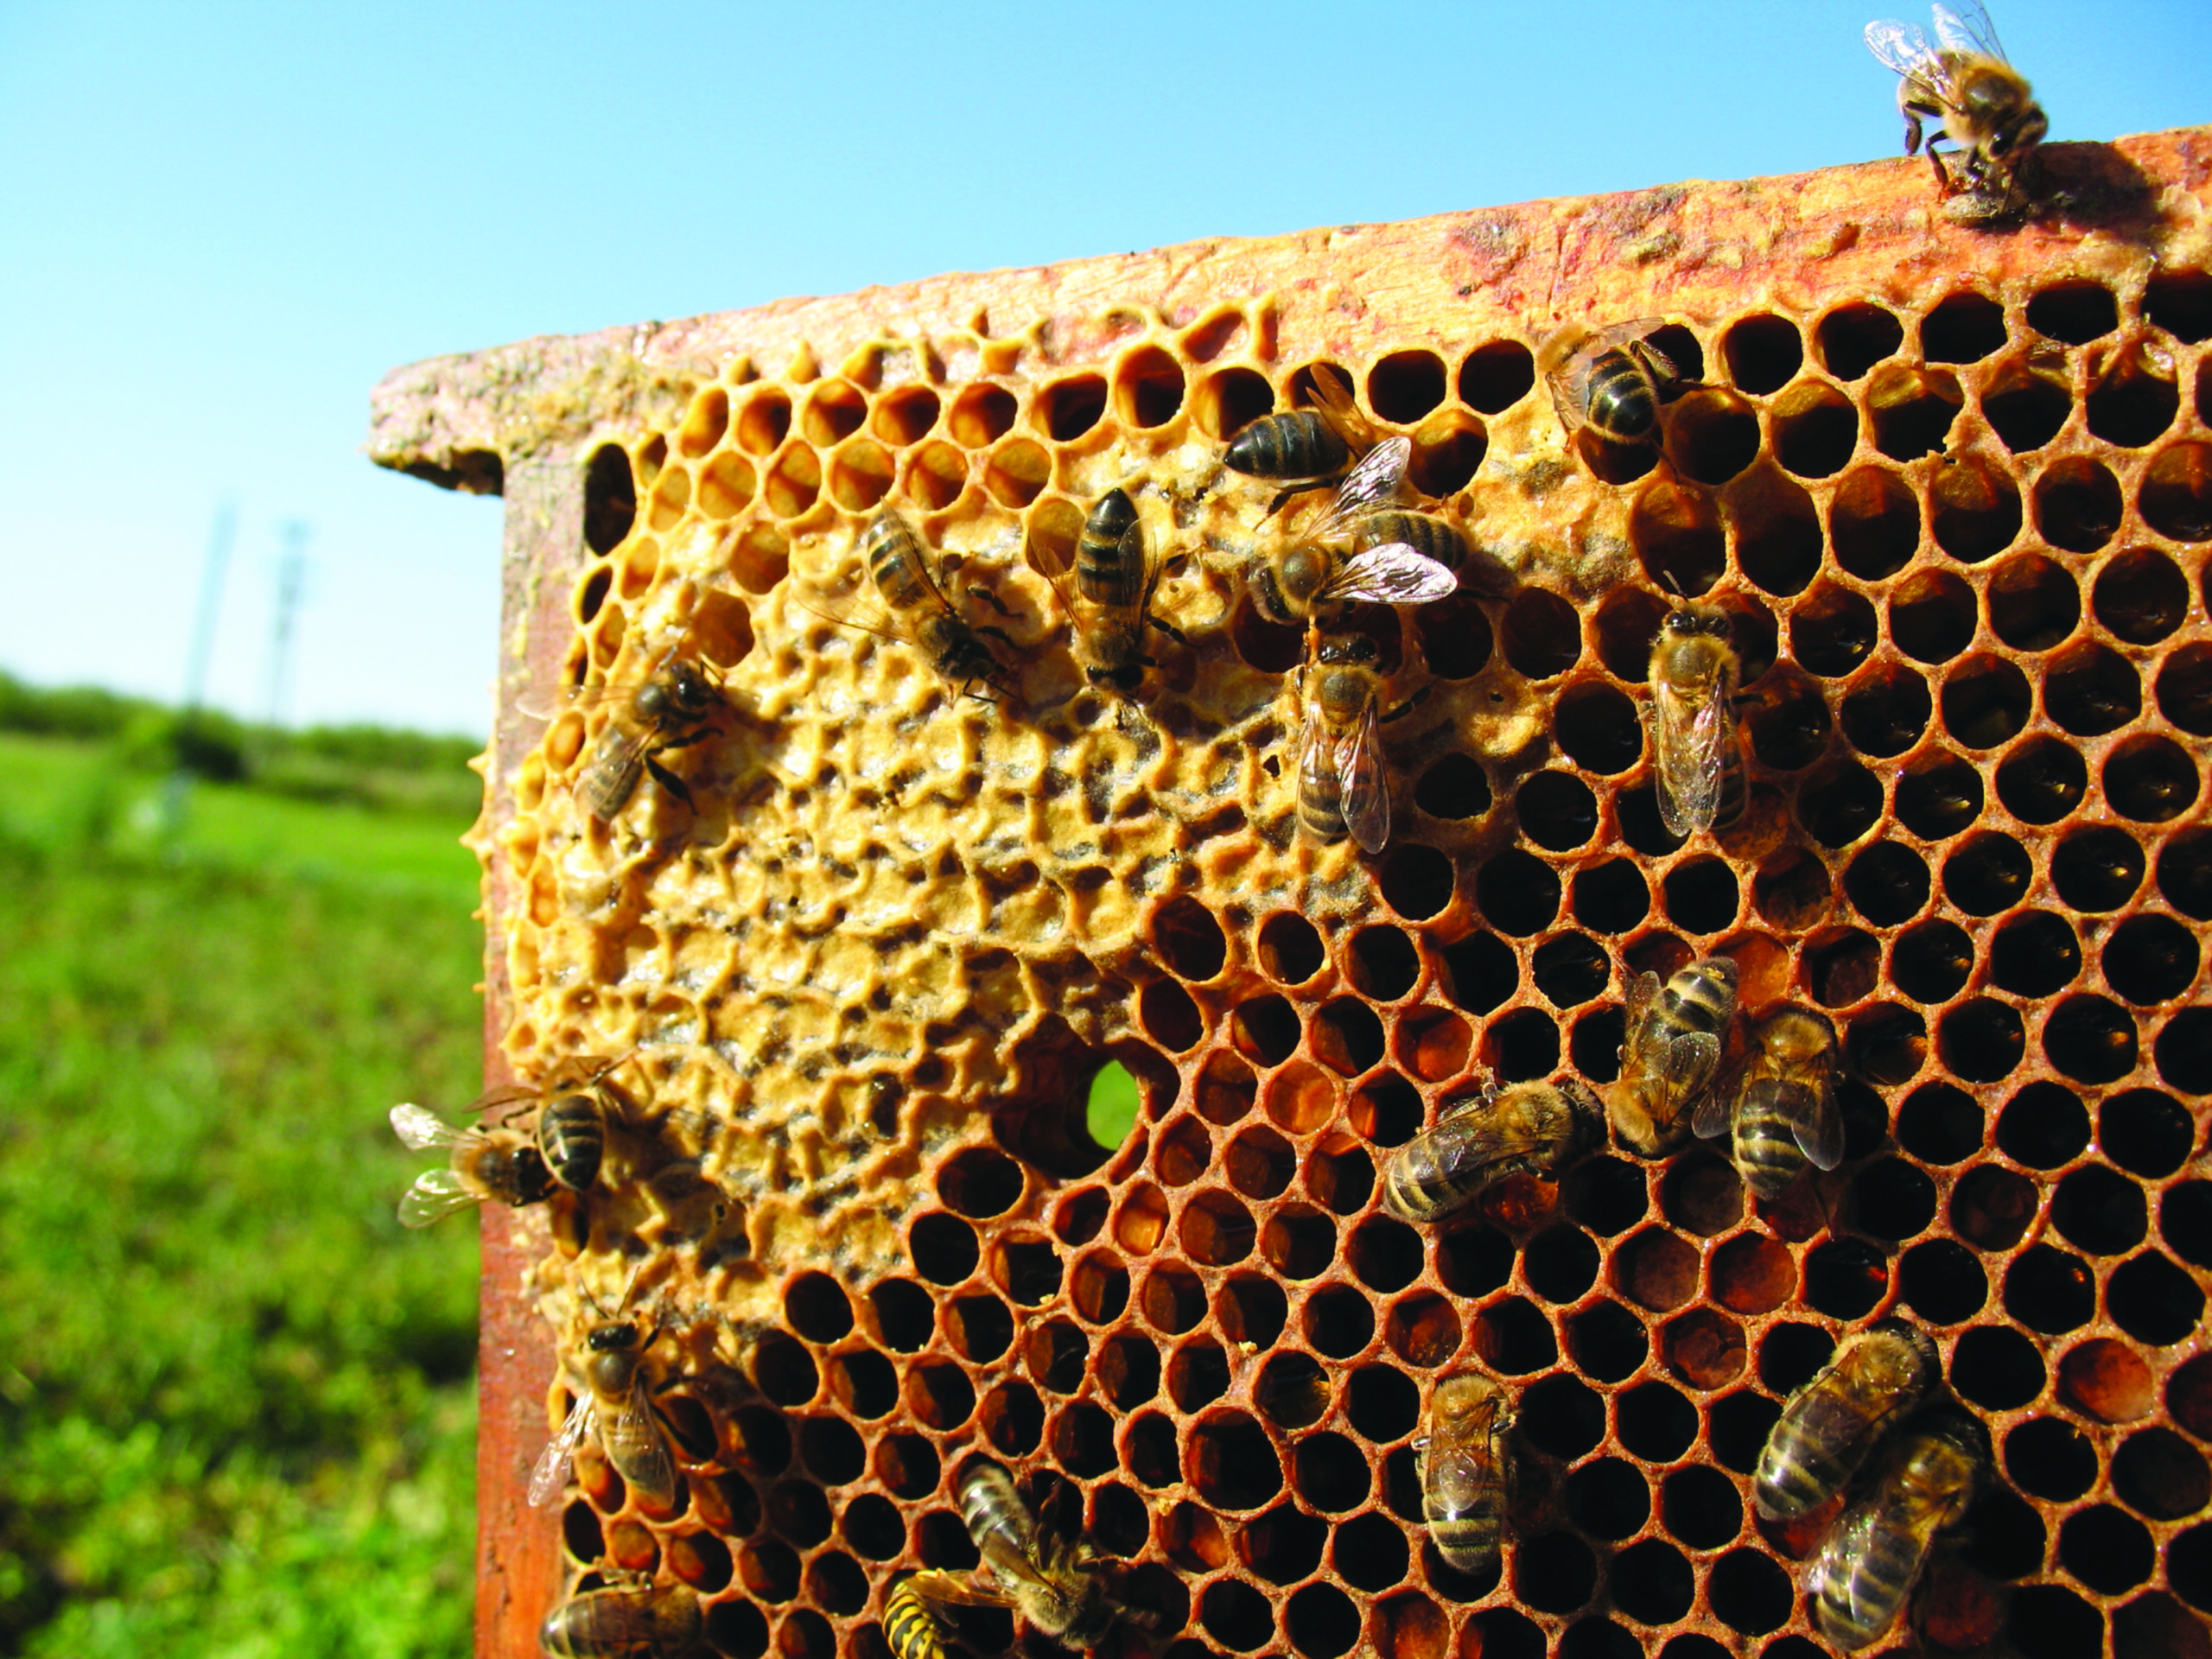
(1108, 595)
(670, 709)
(1781, 1108)
(1830, 1425)
(1698, 766)
(617, 1400)
(910, 1629)
(1979, 100)
(1304, 448)
(1868, 1561)
(1047, 1577)
(1535, 1129)
(500, 1162)
(1611, 380)
(1466, 1470)
(625, 1622)
(916, 612)
(1311, 576)
(1672, 1049)
(1341, 788)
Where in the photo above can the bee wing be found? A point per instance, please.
(1903, 49)
(1377, 482)
(852, 611)
(547, 705)
(1332, 394)
(1968, 30)
(1062, 577)
(1690, 1058)
(1818, 1124)
(1716, 1112)
(1395, 573)
(419, 1130)
(1692, 745)
(1366, 795)
(492, 1099)
(1470, 1138)
(635, 1444)
(436, 1194)
(550, 1473)
(934, 1584)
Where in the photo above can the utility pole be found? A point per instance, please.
(291, 578)
(178, 785)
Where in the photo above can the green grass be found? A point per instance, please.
(236, 1396)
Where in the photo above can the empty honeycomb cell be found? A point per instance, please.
(1596, 728)
(1340, 1175)
(1321, 1621)
(1522, 1046)
(1193, 1539)
(1985, 702)
(1975, 510)
(1330, 1473)
(1347, 1036)
(1337, 1321)
(1981, 1040)
(2043, 1126)
(2153, 1300)
(1892, 1199)
(1887, 1045)
(2051, 1458)
(1517, 893)
(1513, 1338)
(981, 415)
(1148, 1450)
(1284, 1545)
(1700, 1192)
(860, 474)
(2034, 955)
(1300, 1242)
(1119, 1524)
(1852, 338)
(1217, 1231)
(1942, 1283)
(1236, 1615)
(1229, 399)
(1701, 1508)
(1932, 616)
(1027, 1269)
(1844, 1278)
(1067, 409)
(727, 485)
(1885, 712)
(1701, 895)
(2184, 689)
(2047, 1621)
(1963, 328)
(2180, 301)
(769, 1569)
(1080, 1216)
(1570, 969)
(1454, 635)
(1556, 810)
(2145, 1133)
(671, 495)
(1711, 436)
(2076, 313)
(1480, 971)
(2097, 869)
(1417, 882)
(2175, 495)
(1911, 411)
(1777, 536)
(1453, 787)
(2150, 779)
(1555, 1573)
(1789, 722)
(2157, 1473)
(1996, 1368)
(2185, 1221)
(905, 414)
(1887, 884)
(834, 411)
(1016, 472)
(2049, 1290)
(792, 482)
(1293, 1390)
(1628, 620)
(1752, 1273)
(2098, 1210)
(2106, 1548)
(1081, 1440)
(1402, 386)
(2185, 875)
(610, 498)
(1938, 795)
(2183, 1053)
(1737, 1427)
(1656, 1269)
(2043, 780)
(2133, 404)
(2091, 1039)
(832, 1450)
(1608, 1498)
(1931, 963)
(1198, 1375)
(1422, 1330)
(1873, 523)
(1169, 1016)
(1761, 352)
(1677, 538)
(765, 420)
(1172, 1299)
(1148, 388)
(1473, 1261)
(2156, 1626)
(1831, 630)
(1750, 1592)
(2024, 408)
(1128, 1369)
(1541, 635)
(1816, 429)
(872, 1525)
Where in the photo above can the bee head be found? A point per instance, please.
(612, 1339)
(1348, 649)
(1123, 681)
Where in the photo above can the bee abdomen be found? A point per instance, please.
(1419, 530)
(909, 1627)
(1418, 1186)
(1861, 1601)
(1468, 1539)
(1109, 558)
(1321, 810)
(1794, 1476)
(894, 563)
(1622, 403)
(1299, 444)
(1766, 1142)
(572, 1138)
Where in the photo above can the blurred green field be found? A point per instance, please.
(237, 1397)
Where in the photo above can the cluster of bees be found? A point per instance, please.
(1689, 1066)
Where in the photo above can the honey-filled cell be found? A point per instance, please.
(1008, 1073)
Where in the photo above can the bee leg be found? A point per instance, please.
(1912, 131)
(669, 781)
(1290, 492)
(1942, 177)
(999, 634)
(1406, 707)
(976, 590)
(1167, 628)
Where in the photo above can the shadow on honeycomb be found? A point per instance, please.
(1964, 542)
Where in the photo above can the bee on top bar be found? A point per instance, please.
(617, 1400)
(1341, 786)
(1671, 1051)
(1046, 1572)
(1466, 1471)
(1304, 448)
(672, 708)
(1780, 1110)
(1107, 595)
(1868, 1561)
(1611, 380)
(1698, 763)
(915, 610)
(1310, 577)
(1980, 103)
(630, 1622)
(1829, 1425)
(1535, 1129)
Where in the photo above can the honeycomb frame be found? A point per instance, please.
(1965, 742)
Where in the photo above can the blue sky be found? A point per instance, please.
(220, 223)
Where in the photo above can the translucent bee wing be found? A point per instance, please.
(1464, 1140)
(548, 705)
(1818, 1125)
(851, 611)
(419, 1130)
(550, 1473)
(1377, 482)
(436, 1194)
(635, 1446)
(1062, 578)
(1395, 573)
(1716, 1113)
(493, 1099)
(1901, 47)
(1968, 30)
(934, 1584)
(1366, 795)
(1691, 745)
(1691, 1058)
